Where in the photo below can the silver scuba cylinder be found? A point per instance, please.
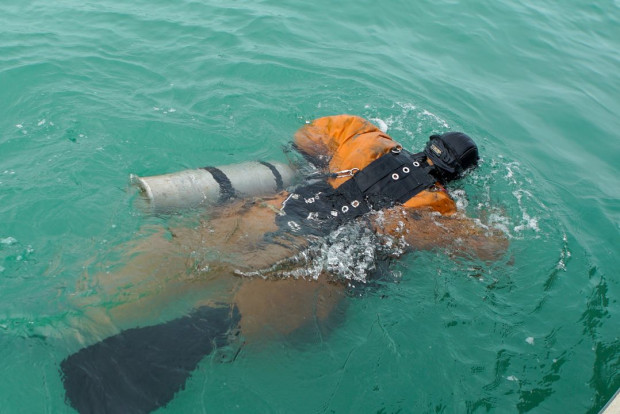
(210, 185)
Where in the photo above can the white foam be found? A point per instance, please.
(350, 253)
(460, 197)
(564, 254)
(8, 241)
(528, 222)
(407, 107)
(511, 168)
(500, 222)
(402, 121)
(530, 340)
(383, 126)
(436, 118)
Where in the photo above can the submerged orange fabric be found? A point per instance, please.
(347, 141)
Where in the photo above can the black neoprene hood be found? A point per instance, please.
(452, 152)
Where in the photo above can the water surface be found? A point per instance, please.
(94, 91)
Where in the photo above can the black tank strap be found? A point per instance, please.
(276, 175)
(227, 191)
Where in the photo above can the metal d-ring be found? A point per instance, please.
(346, 173)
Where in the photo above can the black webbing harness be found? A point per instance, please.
(394, 178)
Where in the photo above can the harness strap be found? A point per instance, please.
(392, 178)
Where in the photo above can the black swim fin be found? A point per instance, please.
(140, 369)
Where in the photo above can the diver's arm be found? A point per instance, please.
(425, 229)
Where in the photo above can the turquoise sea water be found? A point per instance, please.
(93, 91)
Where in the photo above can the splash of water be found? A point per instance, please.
(349, 253)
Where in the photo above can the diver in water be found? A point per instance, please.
(258, 257)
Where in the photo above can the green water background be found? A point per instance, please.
(93, 91)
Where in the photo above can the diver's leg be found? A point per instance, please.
(158, 278)
(157, 274)
(130, 368)
(140, 369)
(271, 308)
